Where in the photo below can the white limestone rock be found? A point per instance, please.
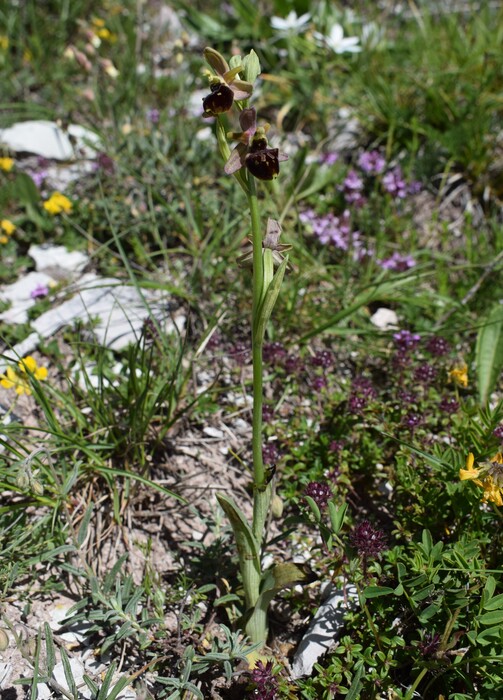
(47, 139)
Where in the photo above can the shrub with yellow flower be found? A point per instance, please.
(19, 379)
(459, 375)
(487, 475)
(6, 164)
(58, 203)
(7, 228)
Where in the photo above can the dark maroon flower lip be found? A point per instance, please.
(219, 100)
(263, 164)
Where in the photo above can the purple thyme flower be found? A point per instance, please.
(437, 346)
(336, 230)
(266, 685)
(405, 340)
(293, 364)
(397, 262)
(429, 645)
(274, 351)
(153, 115)
(371, 162)
(407, 396)
(401, 359)
(352, 188)
(105, 163)
(362, 392)
(270, 453)
(412, 421)
(329, 158)
(394, 183)
(40, 291)
(448, 405)
(322, 358)
(415, 187)
(240, 352)
(320, 492)
(367, 540)
(498, 432)
(319, 383)
(336, 446)
(267, 413)
(425, 373)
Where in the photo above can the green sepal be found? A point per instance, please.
(223, 145)
(251, 67)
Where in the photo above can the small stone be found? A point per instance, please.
(384, 319)
(323, 630)
(213, 432)
(57, 259)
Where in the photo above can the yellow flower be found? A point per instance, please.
(58, 203)
(6, 164)
(28, 365)
(7, 227)
(469, 472)
(20, 381)
(12, 380)
(488, 475)
(459, 375)
(4, 42)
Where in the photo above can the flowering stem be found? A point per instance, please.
(261, 490)
(257, 623)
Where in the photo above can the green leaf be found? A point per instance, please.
(245, 541)
(377, 591)
(495, 603)
(289, 574)
(379, 290)
(67, 670)
(491, 618)
(489, 589)
(424, 593)
(50, 649)
(487, 636)
(337, 515)
(489, 353)
(82, 533)
(427, 541)
(314, 507)
(267, 305)
(431, 459)
(428, 612)
(354, 691)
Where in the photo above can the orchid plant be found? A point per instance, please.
(252, 159)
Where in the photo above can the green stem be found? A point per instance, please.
(256, 626)
(262, 492)
(410, 693)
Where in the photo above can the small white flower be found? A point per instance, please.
(290, 23)
(338, 42)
